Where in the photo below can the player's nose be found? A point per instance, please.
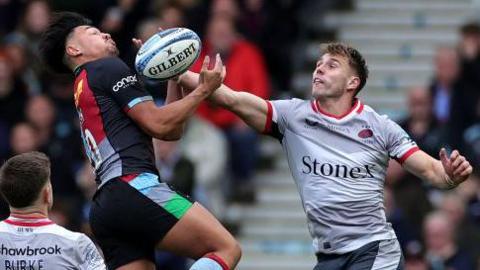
(106, 35)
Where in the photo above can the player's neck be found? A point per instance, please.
(30, 212)
(336, 106)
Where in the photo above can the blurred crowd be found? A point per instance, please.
(216, 160)
(441, 229)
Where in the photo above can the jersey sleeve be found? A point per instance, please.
(90, 258)
(122, 83)
(399, 144)
(277, 117)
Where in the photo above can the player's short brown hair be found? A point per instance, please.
(355, 60)
(22, 177)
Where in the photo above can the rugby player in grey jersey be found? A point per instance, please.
(338, 151)
(29, 239)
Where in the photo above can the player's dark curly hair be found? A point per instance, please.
(52, 43)
(355, 60)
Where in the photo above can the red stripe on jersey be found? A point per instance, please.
(360, 108)
(336, 116)
(26, 217)
(219, 260)
(86, 102)
(129, 177)
(408, 154)
(29, 224)
(314, 106)
(268, 123)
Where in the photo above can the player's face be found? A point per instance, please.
(331, 76)
(92, 43)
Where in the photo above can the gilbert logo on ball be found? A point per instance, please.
(168, 53)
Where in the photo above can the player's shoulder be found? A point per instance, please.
(62, 232)
(372, 115)
(107, 63)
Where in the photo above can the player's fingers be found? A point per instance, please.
(457, 161)
(218, 64)
(224, 73)
(454, 154)
(206, 63)
(137, 42)
(467, 171)
(444, 157)
(461, 168)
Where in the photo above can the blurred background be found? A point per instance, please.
(424, 58)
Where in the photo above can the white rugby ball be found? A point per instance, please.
(168, 53)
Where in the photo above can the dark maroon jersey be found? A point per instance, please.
(104, 91)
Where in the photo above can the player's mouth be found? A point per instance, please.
(318, 81)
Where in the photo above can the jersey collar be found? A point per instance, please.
(357, 107)
(27, 221)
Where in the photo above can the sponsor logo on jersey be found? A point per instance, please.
(365, 133)
(28, 251)
(311, 124)
(313, 166)
(78, 91)
(125, 82)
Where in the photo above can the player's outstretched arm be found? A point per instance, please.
(164, 122)
(251, 109)
(448, 172)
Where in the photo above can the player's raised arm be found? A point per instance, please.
(448, 172)
(165, 122)
(250, 108)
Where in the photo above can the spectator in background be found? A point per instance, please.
(467, 233)
(12, 92)
(34, 20)
(451, 98)
(410, 191)
(174, 168)
(121, 21)
(41, 114)
(23, 138)
(12, 98)
(469, 48)
(205, 145)
(441, 249)
(446, 65)
(246, 72)
(22, 66)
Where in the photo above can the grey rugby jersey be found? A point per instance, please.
(339, 166)
(39, 244)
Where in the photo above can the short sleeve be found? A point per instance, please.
(90, 258)
(399, 144)
(122, 83)
(277, 116)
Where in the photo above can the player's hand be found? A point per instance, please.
(457, 167)
(211, 79)
(138, 42)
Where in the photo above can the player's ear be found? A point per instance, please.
(72, 50)
(353, 83)
(47, 193)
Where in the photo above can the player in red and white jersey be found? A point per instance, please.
(29, 239)
(338, 151)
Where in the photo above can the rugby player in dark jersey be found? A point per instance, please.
(133, 211)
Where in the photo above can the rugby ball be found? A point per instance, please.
(168, 53)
